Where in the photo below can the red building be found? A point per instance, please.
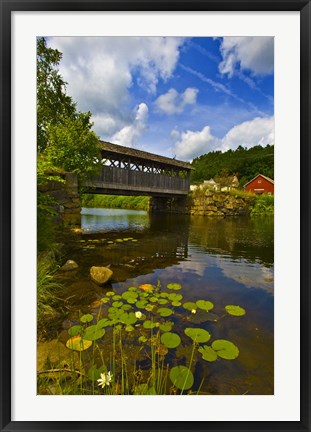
(260, 184)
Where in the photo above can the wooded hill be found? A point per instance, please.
(242, 162)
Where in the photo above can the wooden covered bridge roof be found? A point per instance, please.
(128, 151)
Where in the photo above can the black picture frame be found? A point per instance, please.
(7, 7)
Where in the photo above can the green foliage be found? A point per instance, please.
(243, 163)
(72, 145)
(264, 206)
(52, 102)
(115, 201)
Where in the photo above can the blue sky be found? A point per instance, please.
(178, 97)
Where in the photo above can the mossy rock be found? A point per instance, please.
(100, 275)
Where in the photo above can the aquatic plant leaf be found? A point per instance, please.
(76, 343)
(86, 318)
(208, 353)
(190, 306)
(94, 373)
(164, 312)
(110, 293)
(176, 303)
(225, 349)
(149, 307)
(126, 307)
(235, 310)
(143, 294)
(164, 294)
(128, 318)
(149, 324)
(170, 340)
(116, 297)
(93, 333)
(119, 240)
(129, 328)
(142, 339)
(134, 240)
(204, 305)
(104, 322)
(75, 330)
(115, 313)
(163, 301)
(147, 287)
(166, 326)
(198, 334)
(105, 300)
(132, 289)
(181, 377)
(117, 304)
(174, 297)
(174, 286)
(140, 304)
(130, 296)
(153, 299)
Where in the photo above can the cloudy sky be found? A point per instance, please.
(178, 97)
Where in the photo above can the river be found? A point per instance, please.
(224, 261)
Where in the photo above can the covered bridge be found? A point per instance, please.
(127, 171)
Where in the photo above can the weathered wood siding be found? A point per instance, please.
(119, 178)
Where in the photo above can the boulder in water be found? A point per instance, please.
(69, 265)
(100, 275)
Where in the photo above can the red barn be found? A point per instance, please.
(260, 184)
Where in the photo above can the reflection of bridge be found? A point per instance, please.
(127, 171)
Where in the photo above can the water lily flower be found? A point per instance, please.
(193, 311)
(138, 314)
(105, 379)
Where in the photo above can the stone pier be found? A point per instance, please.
(168, 205)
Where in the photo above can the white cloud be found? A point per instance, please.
(129, 135)
(190, 144)
(101, 70)
(259, 131)
(173, 102)
(255, 54)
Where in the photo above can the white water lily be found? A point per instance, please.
(105, 379)
(138, 314)
(193, 311)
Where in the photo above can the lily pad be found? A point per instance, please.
(110, 293)
(204, 305)
(174, 297)
(104, 322)
(94, 373)
(149, 307)
(165, 312)
(105, 300)
(203, 316)
(198, 334)
(75, 330)
(93, 333)
(170, 340)
(208, 353)
(132, 289)
(117, 304)
(76, 343)
(174, 286)
(225, 349)
(235, 310)
(149, 324)
(142, 339)
(128, 318)
(140, 304)
(163, 301)
(116, 297)
(166, 326)
(181, 377)
(176, 303)
(164, 295)
(190, 306)
(126, 307)
(129, 328)
(86, 318)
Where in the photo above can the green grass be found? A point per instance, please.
(115, 201)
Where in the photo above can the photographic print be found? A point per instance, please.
(155, 215)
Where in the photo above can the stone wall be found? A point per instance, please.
(211, 203)
(66, 196)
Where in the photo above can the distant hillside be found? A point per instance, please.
(243, 163)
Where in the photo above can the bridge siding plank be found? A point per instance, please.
(121, 177)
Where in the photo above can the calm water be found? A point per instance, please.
(226, 261)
